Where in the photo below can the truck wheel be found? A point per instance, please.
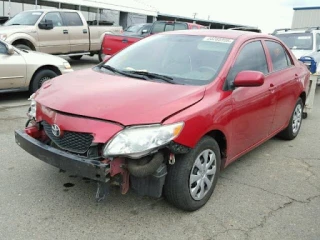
(101, 56)
(192, 179)
(41, 77)
(294, 126)
(23, 47)
(78, 57)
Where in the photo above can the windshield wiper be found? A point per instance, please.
(13, 24)
(114, 70)
(153, 75)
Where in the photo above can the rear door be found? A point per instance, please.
(78, 32)
(286, 82)
(253, 107)
(12, 69)
(55, 40)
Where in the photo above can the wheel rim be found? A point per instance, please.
(297, 117)
(202, 174)
(42, 80)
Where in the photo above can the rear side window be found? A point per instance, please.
(180, 26)
(73, 19)
(279, 56)
(168, 27)
(251, 57)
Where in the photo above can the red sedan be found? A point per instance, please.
(166, 114)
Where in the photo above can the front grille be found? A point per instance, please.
(71, 141)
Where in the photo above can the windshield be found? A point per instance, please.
(297, 41)
(187, 59)
(24, 18)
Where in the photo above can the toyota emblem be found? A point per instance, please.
(55, 130)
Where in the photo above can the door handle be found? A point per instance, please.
(65, 32)
(124, 40)
(85, 31)
(296, 77)
(272, 87)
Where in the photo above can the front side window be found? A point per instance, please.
(318, 41)
(187, 59)
(158, 27)
(24, 18)
(279, 56)
(252, 58)
(180, 26)
(54, 17)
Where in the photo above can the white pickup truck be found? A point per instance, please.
(57, 32)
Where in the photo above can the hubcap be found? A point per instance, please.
(202, 174)
(42, 80)
(297, 117)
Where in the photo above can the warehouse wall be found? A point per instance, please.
(306, 18)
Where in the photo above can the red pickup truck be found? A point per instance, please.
(114, 43)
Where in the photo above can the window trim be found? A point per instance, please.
(63, 21)
(270, 59)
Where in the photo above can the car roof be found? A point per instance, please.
(223, 33)
(51, 10)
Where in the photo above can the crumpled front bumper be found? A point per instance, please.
(74, 164)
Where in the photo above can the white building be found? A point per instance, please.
(306, 17)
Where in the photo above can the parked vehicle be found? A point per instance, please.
(169, 120)
(22, 70)
(3, 19)
(302, 42)
(60, 32)
(114, 43)
(138, 29)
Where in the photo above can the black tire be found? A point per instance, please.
(177, 186)
(23, 47)
(290, 133)
(101, 55)
(78, 57)
(40, 77)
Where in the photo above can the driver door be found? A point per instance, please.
(12, 69)
(56, 40)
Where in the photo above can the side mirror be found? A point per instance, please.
(10, 50)
(106, 58)
(46, 25)
(249, 79)
(144, 31)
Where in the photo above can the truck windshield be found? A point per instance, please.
(297, 41)
(24, 18)
(186, 59)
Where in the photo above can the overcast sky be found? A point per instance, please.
(267, 15)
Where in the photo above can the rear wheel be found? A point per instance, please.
(101, 55)
(23, 47)
(78, 57)
(292, 130)
(41, 77)
(192, 179)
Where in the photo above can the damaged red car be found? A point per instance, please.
(164, 116)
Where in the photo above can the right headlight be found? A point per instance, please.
(33, 107)
(3, 36)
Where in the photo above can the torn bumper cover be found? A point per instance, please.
(77, 165)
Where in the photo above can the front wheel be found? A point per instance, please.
(192, 179)
(292, 130)
(41, 77)
(76, 57)
(23, 47)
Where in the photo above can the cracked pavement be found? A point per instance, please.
(271, 193)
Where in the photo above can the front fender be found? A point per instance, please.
(23, 36)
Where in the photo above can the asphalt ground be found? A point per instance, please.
(271, 193)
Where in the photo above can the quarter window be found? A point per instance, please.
(279, 56)
(252, 58)
(3, 49)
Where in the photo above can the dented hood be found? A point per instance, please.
(124, 100)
